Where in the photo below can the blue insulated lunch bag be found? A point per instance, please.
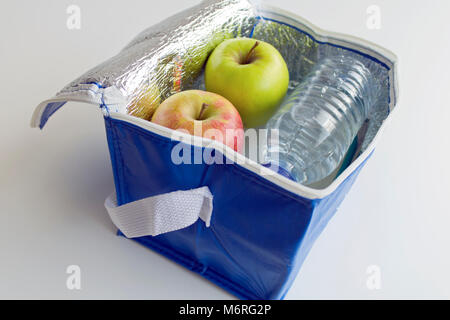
(235, 224)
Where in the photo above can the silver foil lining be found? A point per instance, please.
(169, 57)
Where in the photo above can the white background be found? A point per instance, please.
(53, 183)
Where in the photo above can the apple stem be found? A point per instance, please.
(204, 106)
(250, 53)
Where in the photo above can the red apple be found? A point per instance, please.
(203, 114)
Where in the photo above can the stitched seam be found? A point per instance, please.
(121, 172)
(111, 136)
(80, 89)
(120, 163)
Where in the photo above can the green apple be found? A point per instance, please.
(196, 56)
(145, 102)
(250, 73)
(179, 70)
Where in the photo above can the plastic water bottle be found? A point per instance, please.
(319, 119)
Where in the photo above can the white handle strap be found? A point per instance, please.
(162, 213)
